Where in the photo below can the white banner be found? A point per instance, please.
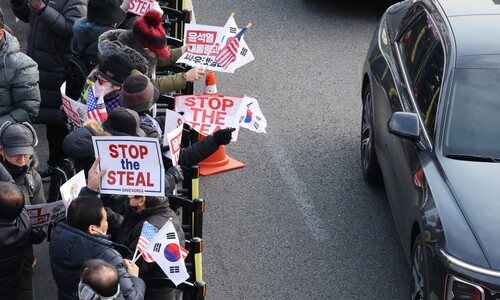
(209, 113)
(203, 47)
(71, 188)
(46, 214)
(140, 7)
(76, 111)
(134, 165)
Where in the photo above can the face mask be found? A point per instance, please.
(15, 170)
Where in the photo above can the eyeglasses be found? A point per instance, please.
(85, 292)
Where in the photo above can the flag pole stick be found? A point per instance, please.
(136, 258)
(135, 253)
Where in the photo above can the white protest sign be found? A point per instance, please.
(209, 113)
(203, 46)
(174, 127)
(71, 188)
(134, 165)
(46, 214)
(140, 7)
(76, 111)
(174, 141)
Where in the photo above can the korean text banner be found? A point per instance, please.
(46, 214)
(134, 165)
(209, 113)
(75, 111)
(204, 48)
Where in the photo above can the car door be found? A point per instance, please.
(421, 56)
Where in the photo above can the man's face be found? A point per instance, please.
(103, 227)
(20, 160)
(2, 33)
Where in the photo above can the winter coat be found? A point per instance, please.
(122, 42)
(85, 40)
(14, 243)
(19, 92)
(156, 214)
(29, 181)
(70, 248)
(49, 42)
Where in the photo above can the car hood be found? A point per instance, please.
(476, 187)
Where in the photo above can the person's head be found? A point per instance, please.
(11, 201)
(88, 214)
(113, 71)
(149, 32)
(105, 12)
(17, 142)
(122, 121)
(141, 202)
(98, 279)
(138, 93)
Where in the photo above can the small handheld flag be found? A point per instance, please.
(229, 53)
(147, 234)
(168, 254)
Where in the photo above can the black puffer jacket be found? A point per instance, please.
(71, 247)
(14, 242)
(157, 214)
(49, 44)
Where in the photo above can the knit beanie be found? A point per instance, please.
(150, 33)
(138, 93)
(115, 68)
(122, 121)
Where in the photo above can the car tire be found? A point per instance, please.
(369, 162)
(418, 270)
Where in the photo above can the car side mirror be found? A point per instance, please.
(406, 125)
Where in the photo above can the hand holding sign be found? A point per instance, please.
(94, 176)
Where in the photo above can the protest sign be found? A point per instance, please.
(140, 7)
(173, 126)
(209, 113)
(76, 111)
(71, 188)
(134, 165)
(46, 214)
(203, 47)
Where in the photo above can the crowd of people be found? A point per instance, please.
(91, 250)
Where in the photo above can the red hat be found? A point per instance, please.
(149, 32)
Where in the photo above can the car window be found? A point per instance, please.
(423, 57)
(472, 120)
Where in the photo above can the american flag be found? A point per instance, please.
(95, 108)
(228, 54)
(147, 233)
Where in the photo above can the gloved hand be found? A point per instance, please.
(176, 173)
(223, 136)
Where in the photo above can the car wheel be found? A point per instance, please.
(418, 268)
(369, 163)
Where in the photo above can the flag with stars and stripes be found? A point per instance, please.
(96, 110)
(147, 234)
(228, 54)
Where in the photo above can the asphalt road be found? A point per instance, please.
(298, 221)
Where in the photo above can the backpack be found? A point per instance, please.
(78, 67)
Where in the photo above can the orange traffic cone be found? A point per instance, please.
(218, 162)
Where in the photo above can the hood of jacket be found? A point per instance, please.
(121, 42)
(85, 33)
(9, 46)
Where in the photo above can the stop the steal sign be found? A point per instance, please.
(134, 165)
